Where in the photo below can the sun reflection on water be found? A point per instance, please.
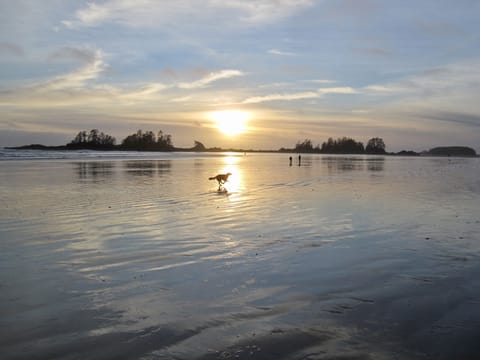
(231, 165)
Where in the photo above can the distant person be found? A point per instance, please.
(299, 160)
(291, 161)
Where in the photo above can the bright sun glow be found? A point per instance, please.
(231, 122)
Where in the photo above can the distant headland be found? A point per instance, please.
(452, 151)
(149, 141)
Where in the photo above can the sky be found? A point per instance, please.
(406, 71)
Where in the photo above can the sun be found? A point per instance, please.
(231, 122)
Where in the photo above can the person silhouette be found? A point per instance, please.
(299, 160)
(290, 161)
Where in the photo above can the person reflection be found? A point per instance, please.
(376, 165)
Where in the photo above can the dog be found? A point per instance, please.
(221, 178)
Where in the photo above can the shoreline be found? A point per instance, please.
(403, 153)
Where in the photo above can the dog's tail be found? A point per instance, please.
(212, 178)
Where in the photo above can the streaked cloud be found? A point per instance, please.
(323, 81)
(88, 85)
(182, 99)
(461, 118)
(458, 78)
(284, 97)
(151, 13)
(337, 90)
(212, 77)
(143, 93)
(263, 10)
(384, 89)
(280, 52)
(78, 78)
(299, 95)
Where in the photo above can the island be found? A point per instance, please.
(151, 141)
(451, 151)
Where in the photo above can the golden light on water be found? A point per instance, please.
(231, 166)
(231, 122)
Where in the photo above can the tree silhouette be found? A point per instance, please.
(164, 141)
(342, 146)
(95, 140)
(147, 141)
(375, 146)
(305, 146)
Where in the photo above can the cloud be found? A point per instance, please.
(285, 97)
(181, 99)
(76, 79)
(214, 76)
(263, 10)
(385, 89)
(337, 90)
(83, 55)
(78, 87)
(460, 79)
(299, 96)
(452, 117)
(85, 86)
(151, 13)
(281, 53)
(10, 49)
(145, 92)
(95, 14)
(323, 81)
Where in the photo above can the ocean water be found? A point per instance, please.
(138, 256)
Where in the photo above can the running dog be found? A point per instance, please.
(221, 178)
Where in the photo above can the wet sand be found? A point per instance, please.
(339, 258)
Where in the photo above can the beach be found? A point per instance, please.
(140, 256)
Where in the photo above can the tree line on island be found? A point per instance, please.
(342, 145)
(375, 146)
(139, 141)
(151, 141)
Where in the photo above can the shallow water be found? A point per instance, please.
(351, 257)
